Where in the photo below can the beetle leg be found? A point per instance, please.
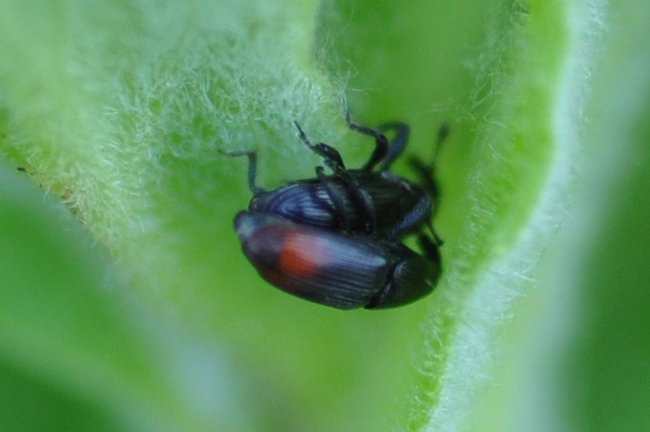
(397, 145)
(361, 197)
(364, 200)
(428, 179)
(409, 223)
(431, 251)
(330, 155)
(381, 143)
(252, 166)
(335, 197)
(334, 161)
(437, 240)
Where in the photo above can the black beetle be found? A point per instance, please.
(335, 239)
(373, 202)
(335, 269)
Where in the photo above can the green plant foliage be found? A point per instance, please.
(125, 303)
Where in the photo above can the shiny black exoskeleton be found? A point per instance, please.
(334, 269)
(369, 200)
(335, 239)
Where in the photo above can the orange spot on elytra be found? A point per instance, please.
(302, 255)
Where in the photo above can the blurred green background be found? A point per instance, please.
(126, 305)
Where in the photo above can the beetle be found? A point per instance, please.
(367, 200)
(335, 239)
(336, 269)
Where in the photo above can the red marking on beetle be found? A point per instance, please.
(303, 255)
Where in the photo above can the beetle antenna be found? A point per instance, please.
(443, 133)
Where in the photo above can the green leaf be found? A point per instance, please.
(577, 352)
(120, 109)
(74, 356)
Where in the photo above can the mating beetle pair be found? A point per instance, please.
(335, 239)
